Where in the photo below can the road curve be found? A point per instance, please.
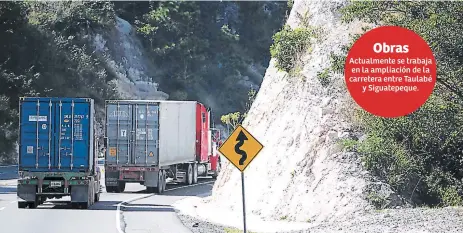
(131, 211)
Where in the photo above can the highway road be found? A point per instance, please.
(133, 211)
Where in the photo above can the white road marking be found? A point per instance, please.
(121, 204)
(2, 208)
(118, 210)
(13, 202)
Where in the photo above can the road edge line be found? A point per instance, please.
(118, 210)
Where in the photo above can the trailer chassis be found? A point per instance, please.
(34, 188)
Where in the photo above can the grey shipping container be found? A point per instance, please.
(150, 133)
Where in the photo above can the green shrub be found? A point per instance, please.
(450, 197)
(289, 44)
(324, 77)
(290, 4)
(348, 144)
(376, 200)
(420, 155)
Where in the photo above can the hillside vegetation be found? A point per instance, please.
(419, 155)
(213, 52)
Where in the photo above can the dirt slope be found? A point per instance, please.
(302, 174)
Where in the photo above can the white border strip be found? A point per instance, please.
(121, 204)
(118, 211)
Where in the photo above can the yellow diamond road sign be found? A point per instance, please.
(241, 148)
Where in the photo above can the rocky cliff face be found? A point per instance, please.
(302, 174)
(122, 51)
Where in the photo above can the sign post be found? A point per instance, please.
(240, 149)
(244, 202)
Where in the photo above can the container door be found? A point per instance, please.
(36, 134)
(145, 148)
(119, 130)
(73, 119)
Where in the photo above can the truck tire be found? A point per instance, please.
(160, 182)
(22, 204)
(110, 189)
(164, 180)
(195, 173)
(120, 188)
(84, 205)
(189, 175)
(32, 205)
(97, 197)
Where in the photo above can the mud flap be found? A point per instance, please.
(151, 179)
(80, 193)
(27, 192)
(111, 178)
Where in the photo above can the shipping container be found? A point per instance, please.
(147, 141)
(132, 130)
(57, 151)
(56, 134)
(138, 132)
(177, 132)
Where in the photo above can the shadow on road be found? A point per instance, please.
(110, 206)
(8, 189)
(147, 207)
(203, 189)
(8, 172)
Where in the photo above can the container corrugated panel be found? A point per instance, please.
(56, 134)
(177, 132)
(132, 129)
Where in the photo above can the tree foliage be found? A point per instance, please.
(232, 119)
(202, 50)
(420, 155)
(206, 48)
(44, 53)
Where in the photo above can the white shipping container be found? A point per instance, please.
(177, 132)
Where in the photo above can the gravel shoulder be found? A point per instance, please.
(406, 220)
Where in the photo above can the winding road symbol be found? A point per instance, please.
(241, 148)
(240, 139)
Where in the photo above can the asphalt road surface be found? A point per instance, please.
(133, 211)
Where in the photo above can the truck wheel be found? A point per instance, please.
(120, 187)
(164, 181)
(22, 204)
(151, 189)
(195, 173)
(189, 175)
(97, 197)
(84, 205)
(110, 189)
(32, 205)
(160, 176)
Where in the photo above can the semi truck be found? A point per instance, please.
(57, 151)
(149, 141)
